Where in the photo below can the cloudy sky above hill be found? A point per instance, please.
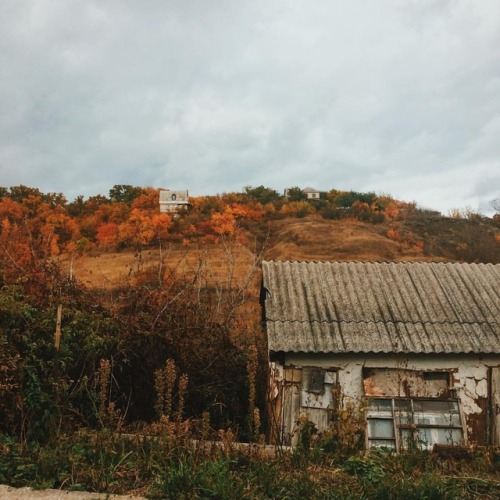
(394, 96)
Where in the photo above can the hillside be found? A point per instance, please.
(423, 238)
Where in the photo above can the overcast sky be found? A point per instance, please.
(392, 96)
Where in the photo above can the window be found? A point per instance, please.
(315, 380)
(317, 387)
(399, 424)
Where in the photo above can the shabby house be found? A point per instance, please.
(173, 202)
(415, 346)
(311, 193)
(308, 192)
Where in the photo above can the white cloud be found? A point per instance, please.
(400, 97)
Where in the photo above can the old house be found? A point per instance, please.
(311, 193)
(173, 201)
(307, 193)
(416, 346)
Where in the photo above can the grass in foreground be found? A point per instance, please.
(167, 467)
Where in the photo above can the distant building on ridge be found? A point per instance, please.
(308, 193)
(311, 193)
(172, 202)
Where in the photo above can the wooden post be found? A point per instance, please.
(58, 328)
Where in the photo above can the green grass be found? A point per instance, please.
(158, 468)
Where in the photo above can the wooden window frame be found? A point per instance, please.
(393, 414)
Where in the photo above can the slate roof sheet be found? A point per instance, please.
(411, 307)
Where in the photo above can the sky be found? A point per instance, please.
(390, 96)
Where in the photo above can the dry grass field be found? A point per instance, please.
(231, 265)
(215, 264)
(320, 239)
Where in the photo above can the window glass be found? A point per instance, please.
(428, 418)
(403, 405)
(407, 438)
(380, 428)
(428, 437)
(404, 418)
(380, 404)
(316, 381)
(436, 405)
(382, 443)
(421, 423)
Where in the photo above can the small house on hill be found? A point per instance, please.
(311, 193)
(173, 201)
(415, 345)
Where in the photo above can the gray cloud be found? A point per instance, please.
(390, 96)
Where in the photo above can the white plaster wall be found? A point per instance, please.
(470, 371)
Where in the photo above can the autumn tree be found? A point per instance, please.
(295, 194)
(93, 203)
(107, 234)
(77, 206)
(21, 192)
(140, 229)
(125, 193)
(262, 194)
(297, 209)
(58, 231)
(224, 223)
(148, 200)
(15, 251)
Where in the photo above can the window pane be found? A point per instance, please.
(378, 428)
(418, 422)
(330, 377)
(380, 404)
(425, 439)
(429, 437)
(404, 418)
(449, 436)
(451, 419)
(316, 380)
(403, 405)
(436, 406)
(382, 443)
(407, 438)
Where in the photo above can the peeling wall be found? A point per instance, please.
(468, 380)
(401, 382)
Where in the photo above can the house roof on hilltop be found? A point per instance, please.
(407, 307)
(310, 190)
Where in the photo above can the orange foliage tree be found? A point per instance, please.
(140, 229)
(107, 234)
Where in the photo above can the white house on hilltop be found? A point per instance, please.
(173, 201)
(311, 193)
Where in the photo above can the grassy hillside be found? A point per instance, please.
(413, 236)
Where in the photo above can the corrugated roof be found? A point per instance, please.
(412, 307)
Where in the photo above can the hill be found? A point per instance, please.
(412, 237)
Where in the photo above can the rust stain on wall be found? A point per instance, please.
(406, 383)
(476, 423)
